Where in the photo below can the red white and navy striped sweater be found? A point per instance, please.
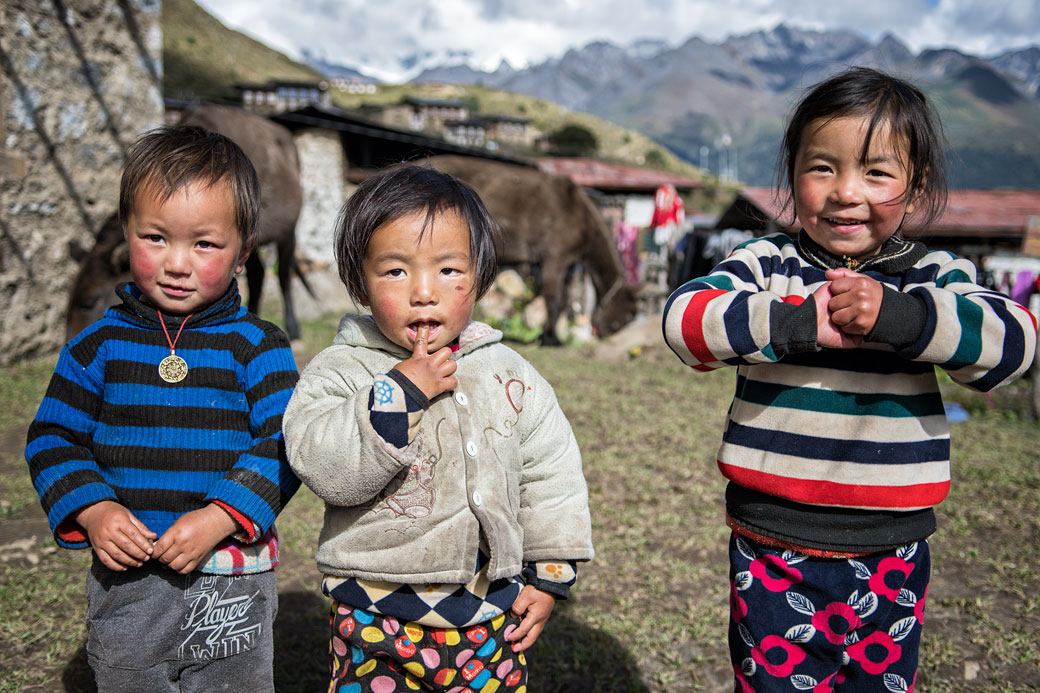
(842, 450)
(109, 428)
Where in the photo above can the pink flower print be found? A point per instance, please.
(768, 566)
(835, 621)
(745, 685)
(737, 605)
(766, 651)
(919, 606)
(827, 685)
(875, 652)
(879, 581)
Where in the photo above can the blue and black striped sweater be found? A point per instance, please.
(109, 428)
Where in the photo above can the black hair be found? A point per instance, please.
(888, 102)
(401, 190)
(167, 159)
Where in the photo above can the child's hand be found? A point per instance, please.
(828, 334)
(431, 373)
(532, 606)
(856, 301)
(118, 538)
(192, 537)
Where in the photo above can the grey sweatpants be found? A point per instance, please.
(151, 629)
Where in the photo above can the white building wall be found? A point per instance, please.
(322, 174)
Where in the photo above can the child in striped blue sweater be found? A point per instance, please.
(159, 444)
(836, 444)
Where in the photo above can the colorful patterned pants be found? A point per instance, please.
(370, 652)
(801, 623)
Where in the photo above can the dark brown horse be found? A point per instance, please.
(549, 225)
(273, 152)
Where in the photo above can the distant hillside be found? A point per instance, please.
(694, 97)
(615, 142)
(203, 58)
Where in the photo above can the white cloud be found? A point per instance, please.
(377, 36)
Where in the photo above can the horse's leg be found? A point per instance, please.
(286, 259)
(554, 272)
(255, 281)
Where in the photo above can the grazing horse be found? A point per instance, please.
(549, 225)
(271, 149)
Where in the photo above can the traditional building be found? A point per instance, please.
(280, 96)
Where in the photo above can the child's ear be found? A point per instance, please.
(243, 255)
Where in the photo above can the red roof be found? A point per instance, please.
(968, 212)
(989, 212)
(602, 175)
(765, 200)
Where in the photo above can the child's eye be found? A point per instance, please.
(395, 272)
(450, 271)
(206, 244)
(879, 173)
(820, 168)
(154, 238)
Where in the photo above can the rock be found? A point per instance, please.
(639, 334)
(536, 312)
(495, 305)
(511, 284)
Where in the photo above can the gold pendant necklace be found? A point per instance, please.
(173, 368)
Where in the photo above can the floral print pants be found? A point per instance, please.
(371, 652)
(802, 623)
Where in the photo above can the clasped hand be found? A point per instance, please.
(847, 308)
(122, 541)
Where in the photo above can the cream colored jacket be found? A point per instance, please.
(496, 455)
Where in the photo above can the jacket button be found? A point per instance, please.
(461, 398)
(471, 448)
(477, 498)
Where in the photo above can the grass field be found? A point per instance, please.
(650, 613)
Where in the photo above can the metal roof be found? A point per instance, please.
(611, 177)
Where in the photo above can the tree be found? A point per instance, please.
(573, 140)
(655, 159)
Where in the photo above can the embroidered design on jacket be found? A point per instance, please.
(413, 495)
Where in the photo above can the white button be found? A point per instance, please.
(461, 398)
(471, 448)
(477, 498)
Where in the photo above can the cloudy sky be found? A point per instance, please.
(377, 35)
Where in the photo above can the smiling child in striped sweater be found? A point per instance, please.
(159, 443)
(836, 444)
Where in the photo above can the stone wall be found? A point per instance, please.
(79, 81)
(323, 168)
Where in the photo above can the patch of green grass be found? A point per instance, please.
(22, 386)
(41, 629)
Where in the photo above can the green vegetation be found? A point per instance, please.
(573, 140)
(650, 613)
(204, 58)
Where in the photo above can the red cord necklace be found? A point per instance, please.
(173, 368)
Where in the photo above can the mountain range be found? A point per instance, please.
(722, 105)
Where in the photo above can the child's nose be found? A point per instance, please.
(847, 189)
(423, 292)
(177, 262)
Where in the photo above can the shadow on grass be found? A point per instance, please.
(77, 675)
(569, 657)
(301, 642)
